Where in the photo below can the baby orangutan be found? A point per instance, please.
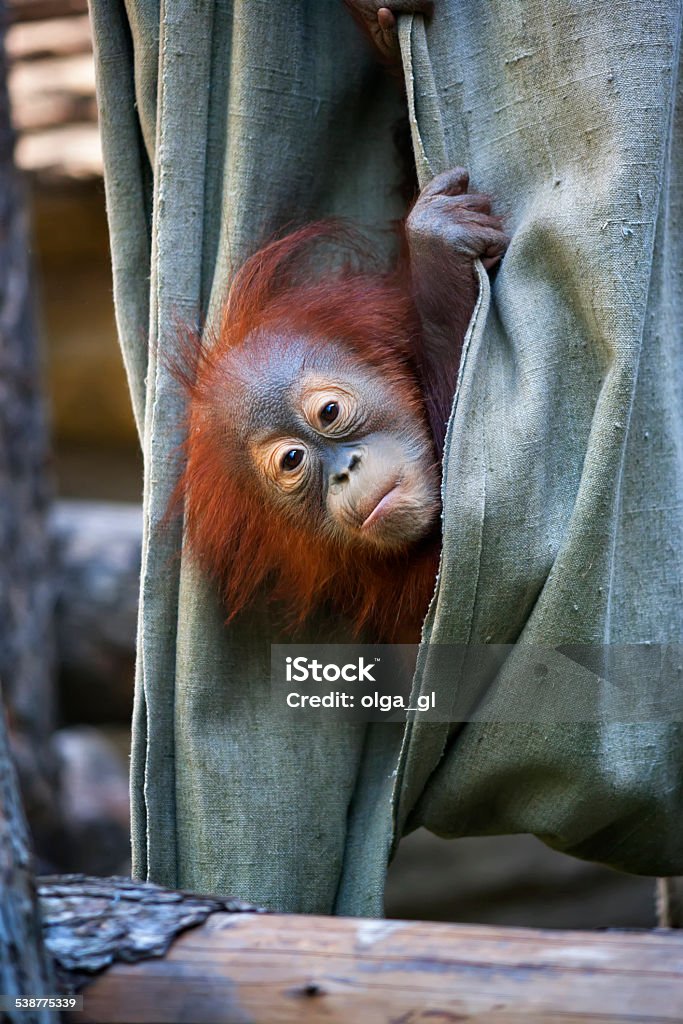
(317, 419)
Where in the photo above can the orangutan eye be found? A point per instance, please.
(331, 409)
(292, 459)
(329, 412)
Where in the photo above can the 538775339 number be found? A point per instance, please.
(41, 1003)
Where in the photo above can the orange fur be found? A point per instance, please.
(230, 530)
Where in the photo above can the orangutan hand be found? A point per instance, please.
(377, 18)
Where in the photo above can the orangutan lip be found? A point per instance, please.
(380, 508)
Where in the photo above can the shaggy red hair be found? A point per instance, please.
(230, 528)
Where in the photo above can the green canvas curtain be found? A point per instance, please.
(563, 471)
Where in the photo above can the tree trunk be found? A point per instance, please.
(139, 953)
(25, 598)
(97, 549)
(24, 967)
(26, 589)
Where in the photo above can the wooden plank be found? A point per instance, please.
(278, 969)
(97, 549)
(53, 91)
(54, 37)
(36, 10)
(61, 155)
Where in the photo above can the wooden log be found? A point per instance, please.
(94, 799)
(280, 969)
(61, 156)
(56, 90)
(54, 37)
(97, 555)
(25, 969)
(36, 10)
(91, 922)
(127, 947)
(27, 655)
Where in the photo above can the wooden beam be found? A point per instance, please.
(97, 547)
(36, 10)
(277, 969)
(53, 91)
(62, 155)
(55, 37)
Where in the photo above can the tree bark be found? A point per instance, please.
(26, 588)
(90, 923)
(139, 953)
(97, 568)
(24, 967)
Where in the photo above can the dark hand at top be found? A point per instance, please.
(377, 18)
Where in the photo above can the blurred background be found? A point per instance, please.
(52, 93)
(76, 794)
